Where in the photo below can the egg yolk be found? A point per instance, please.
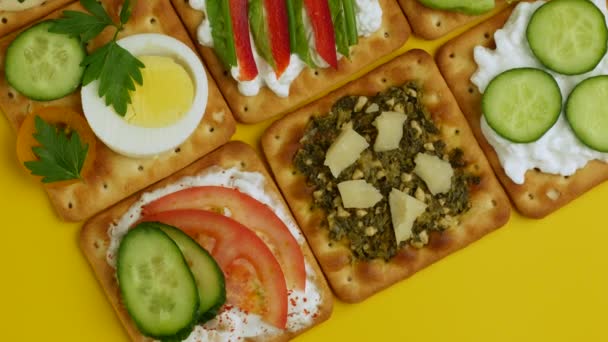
(165, 96)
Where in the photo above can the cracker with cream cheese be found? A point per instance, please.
(114, 176)
(13, 20)
(541, 193)
(95, 240)
(391, 35)
(353, 280)
(430, 23)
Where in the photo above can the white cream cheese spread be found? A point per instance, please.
(558, 151)
(232, 324)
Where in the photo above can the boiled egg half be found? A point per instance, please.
(164, 111)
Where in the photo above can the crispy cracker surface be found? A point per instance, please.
(94, 238)
(11, 21)
(251, 109)
(354, 280)
(115, 177)
(541, 193)
(430, 23)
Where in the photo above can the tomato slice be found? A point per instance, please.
(254, 280)
(249, 212)
(279, 33)
(240, 25)
(323, 27)
(67, 119)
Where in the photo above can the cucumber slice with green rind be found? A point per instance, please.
(207, 273)
(44, 66)
(470, 7)
(522, 104)
(568, 36)
(157, 287)
(587, 112)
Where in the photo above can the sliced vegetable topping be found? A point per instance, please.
(57, 144)
(297, 32)
(232, 244)
(339, 21)
(279, 33)
(320, 19)
(240, 23)
(522, 104)
(218, 13)
(246, 210)
(587, 112)
(471, 7)
(351, 21)
(568, 36)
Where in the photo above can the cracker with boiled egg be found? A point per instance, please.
(352, 279)
(95, 237)
(14, 14)
(541, 193)
(430, 23)
(114, 176)
(391, 35)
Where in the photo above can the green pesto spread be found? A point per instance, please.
(369, 232)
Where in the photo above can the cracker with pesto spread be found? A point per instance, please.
(113, 176)
(24, 13)
(430, 23)
(95, 239)
(353, 273)
(541, 193)
(392, 34)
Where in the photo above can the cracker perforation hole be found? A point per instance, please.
(11, 95)
(452, 55)
(349, 279)
(530, 196)
(456, 131)
(177, 150)
(105, 186)
(243, 164)
(140, 168)
(70, 205)
(96, 245)
(152, 20)
(246, 109)
(293, 173)
(566, 177)
(486, 35)
(494, 203)
(316, 73)
(225, 73)
(438, 23)
(4, 20)
(386, 34)
(211, 129)
(476, 167)
(471, 90)
(277, 137)
(383, 80)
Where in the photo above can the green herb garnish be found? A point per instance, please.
(115, 68)
(61, 155)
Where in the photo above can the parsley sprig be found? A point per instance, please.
(116, 68)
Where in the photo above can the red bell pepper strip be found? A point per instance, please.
(320, 18)
(279, 33)
(240, 25)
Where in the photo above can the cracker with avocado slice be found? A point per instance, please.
(11, 21)
(392, 34)
(541, 193)
(353, 279)
(95, 240)
(113, 176)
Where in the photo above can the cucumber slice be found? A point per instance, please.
(470, 7)
(42, 65)
(156, 284)
(587, 112)
(568, 36)
(207, 274)
(522, 104)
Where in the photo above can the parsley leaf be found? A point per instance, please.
(60, 157)
(80, 25)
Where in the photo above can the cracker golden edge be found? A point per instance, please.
(393, 33)
(353, 281)
(94, 239)
(536, 198)
(11, 21)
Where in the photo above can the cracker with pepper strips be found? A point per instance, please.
(391, 35)
(541, 193)
(113, 176)
(354, 280)
(11, 21)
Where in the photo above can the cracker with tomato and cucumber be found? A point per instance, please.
(540, 114)
(211, 253)
(96, 125)
(270, 56)
(384, 176)
(15, 14)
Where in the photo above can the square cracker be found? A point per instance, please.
(353, 280)
(541, 193)
(113, 176)
(94, 238)
(11, 21)
(430, 23)
(393, 33)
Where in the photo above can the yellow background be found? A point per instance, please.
(532, 280)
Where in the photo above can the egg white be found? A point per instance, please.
(141, 142)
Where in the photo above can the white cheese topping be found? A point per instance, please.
(369, 19)
(232, 324)
(558, 151)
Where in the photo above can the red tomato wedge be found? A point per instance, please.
(323, 27)
(240, 25)
(279, 33)
(247, 211)
(254, 280)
